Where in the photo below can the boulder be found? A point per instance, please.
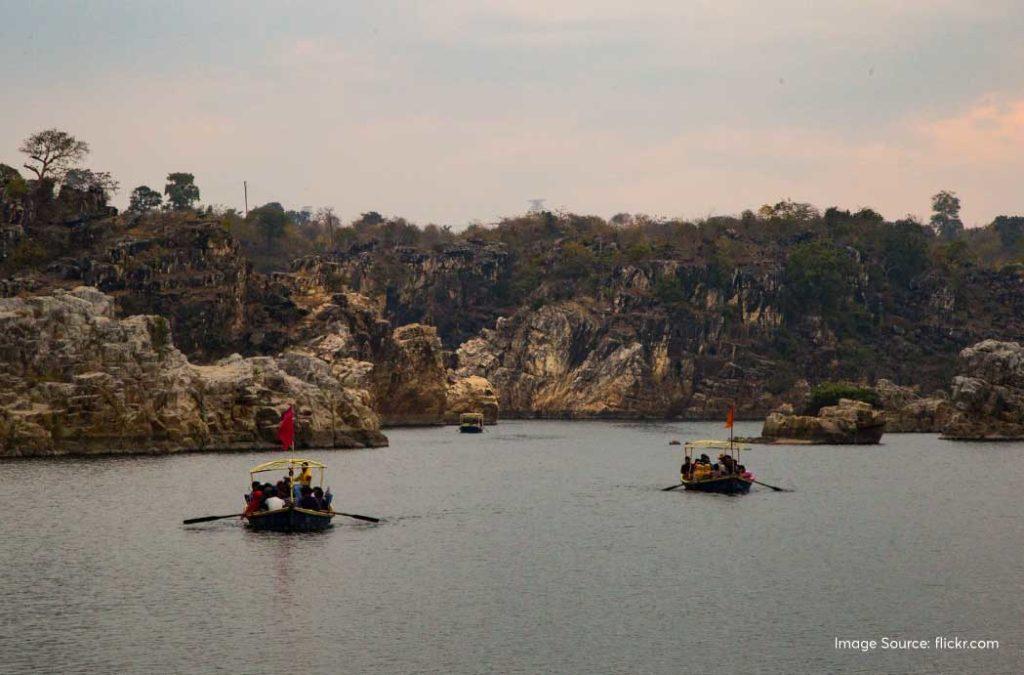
(988, 394)
(847, 423)
(471, 394)
(78, 380)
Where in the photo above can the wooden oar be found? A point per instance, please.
(206, 519)
(358, 517)
(671, 488)
(777, 489)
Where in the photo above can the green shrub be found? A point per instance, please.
(829, 393)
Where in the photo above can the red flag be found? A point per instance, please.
(286, 432)
(730, 416)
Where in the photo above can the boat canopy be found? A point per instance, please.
(471, 418)
(717, 445)
(285, 464)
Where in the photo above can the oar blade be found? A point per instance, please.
(673, 487)
(773, 487)
(368, 519)
(206, 519)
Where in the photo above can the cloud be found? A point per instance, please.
(452, 111)
(990, 131)
(315, 54)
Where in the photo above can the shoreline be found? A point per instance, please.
(153, 451)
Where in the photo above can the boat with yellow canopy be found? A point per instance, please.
(291, 518)
(471, 423)
(703, 478)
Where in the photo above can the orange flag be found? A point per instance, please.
(730, 416)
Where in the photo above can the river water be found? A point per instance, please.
(539, 546)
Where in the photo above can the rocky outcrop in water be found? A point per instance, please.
(847, 423)
(906, 411)
(988, 395)
(77, 380)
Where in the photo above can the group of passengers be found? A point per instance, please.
(703, 469)
(291, 490)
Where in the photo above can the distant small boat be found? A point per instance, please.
(471, 423)
(674, 441)
(291, 518)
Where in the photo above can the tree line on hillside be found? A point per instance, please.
(822, 250)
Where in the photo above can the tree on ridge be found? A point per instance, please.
(181, 190)
(53, 152)
(144, 199)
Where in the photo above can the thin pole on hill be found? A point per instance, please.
(245, 191)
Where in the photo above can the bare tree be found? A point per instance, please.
(328, 221)
(54, 152)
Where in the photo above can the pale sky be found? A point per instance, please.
(452, 111)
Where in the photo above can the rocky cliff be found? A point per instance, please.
(183, 267)
(988, 394)
(77, 379)
(190, 270)
(566, 315)
(458, 288)
(625, 355)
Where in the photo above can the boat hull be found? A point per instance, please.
(471, 429)
(729, 485)
(290, 520)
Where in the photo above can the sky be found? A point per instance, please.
(453, 111)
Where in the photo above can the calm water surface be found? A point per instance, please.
(536, 547)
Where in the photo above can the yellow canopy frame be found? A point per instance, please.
(288, 463)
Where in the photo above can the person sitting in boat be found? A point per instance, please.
(321, 502)
(728, 464)
(700, 470)
(284, 488)
(306, 499)
(273, 502)
(744, 474)
(254, 488)
(253, 500)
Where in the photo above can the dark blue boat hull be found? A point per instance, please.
(471, 430)
(731, 485)
(290, 520)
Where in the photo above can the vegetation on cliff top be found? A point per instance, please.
(857, 296)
